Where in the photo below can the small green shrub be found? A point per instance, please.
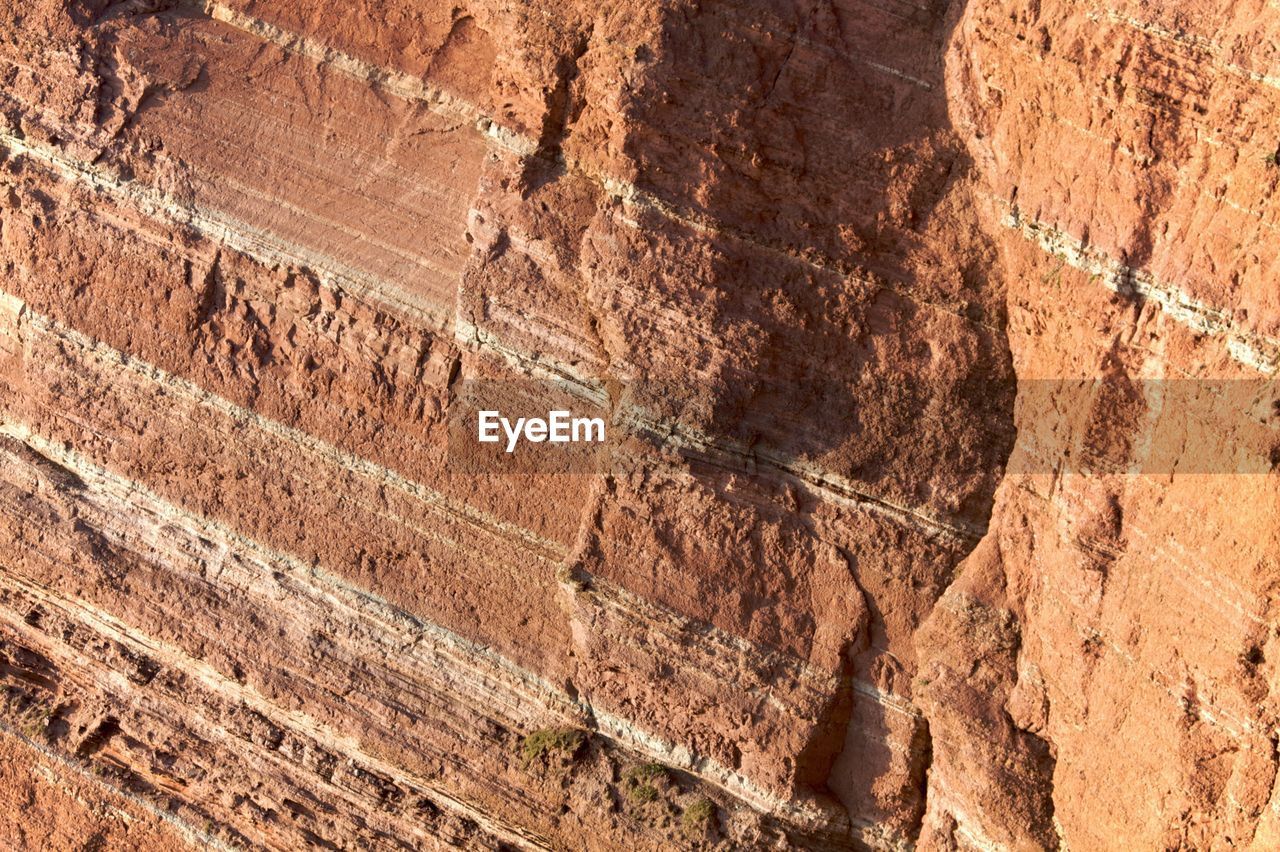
(642, 794)
(697, 819)
(640, 782)
(646, 773)
(551, 742)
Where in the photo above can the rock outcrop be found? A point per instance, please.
(935, 343)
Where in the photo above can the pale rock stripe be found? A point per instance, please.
(528, 687)
(398, 83)
(1194, 42)
(614, 727)
(1256, 351)
(196, 838)
(262, 246)
(236, 693)
(409, 87)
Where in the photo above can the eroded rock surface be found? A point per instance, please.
(828, 268)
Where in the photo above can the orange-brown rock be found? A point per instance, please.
(935, 344)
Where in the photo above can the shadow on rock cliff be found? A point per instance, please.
(855, 310)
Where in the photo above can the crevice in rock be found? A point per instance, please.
(922, 762)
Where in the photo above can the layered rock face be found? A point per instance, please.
(864, 565)
(1104, 661)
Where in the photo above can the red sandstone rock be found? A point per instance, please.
(859, 566)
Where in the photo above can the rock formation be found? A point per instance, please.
(936, 345)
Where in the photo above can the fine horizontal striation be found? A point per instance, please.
(609, 178)
(268, 249)
(280, 334)
(393, 81)
(290, 239)
(447, 544)
(422, 693)
(161, 699)
(224, 229)
(825, 484)
(246, 292)
(1255, 351)
(787, 713)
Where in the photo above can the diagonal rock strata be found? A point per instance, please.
(862, 569)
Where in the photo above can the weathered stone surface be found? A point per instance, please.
(861, 565)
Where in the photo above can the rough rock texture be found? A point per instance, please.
(1103, 664)
(864, 568)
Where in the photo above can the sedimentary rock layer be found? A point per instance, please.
(837, 582)
(1102, 665)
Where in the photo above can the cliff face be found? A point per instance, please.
(864, 567)
(1112, 637)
